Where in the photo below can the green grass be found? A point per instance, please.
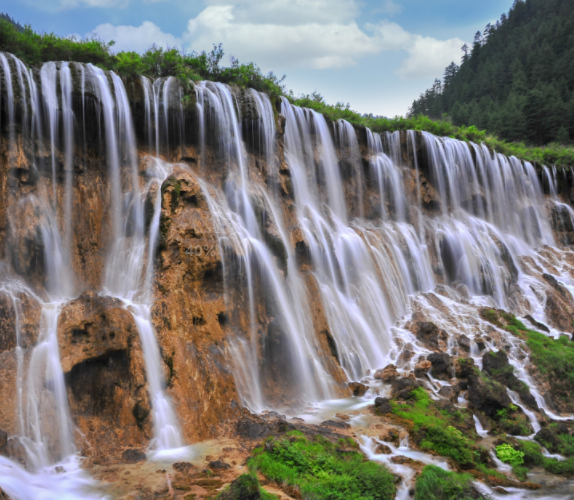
(435, 483)
(435, 429)
(322, 470)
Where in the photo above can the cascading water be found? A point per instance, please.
(387, 228)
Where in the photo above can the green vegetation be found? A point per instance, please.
(509, 455)
(435, 483)
(319, 469)
(34, 48)
(554, 358)
(245, 486)
(436, 429)
(517, 79)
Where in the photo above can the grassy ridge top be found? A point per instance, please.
(35, 48)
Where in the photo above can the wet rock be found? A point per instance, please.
(183, 467)
(387, 374)
(487, 395)
(441, 362)
(422, 368)
(391, 435)
(540, 326)
(3, 443)
(402, 388)
(464, 343)
(449, 392)
(219, 465)
(254, 427)
(429, 334)
(464, 367)
(358, 389)
(17, 451)
(245, 487)
(496, 364)
(132, 456)
(480, 343)
(335, 424)
(550, 438)
(383, 449)
(554, 283)
(383, 406)
(342, 416)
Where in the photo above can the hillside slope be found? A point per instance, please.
(517, 80)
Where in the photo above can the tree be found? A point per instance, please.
(465, 49)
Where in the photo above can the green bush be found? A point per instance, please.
(435, 483)
(436, 428)
(509, 455)
(320, 470)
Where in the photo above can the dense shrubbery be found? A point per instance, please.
(34, 48)
(320, 470)
(435, 483)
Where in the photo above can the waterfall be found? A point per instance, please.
(333, 240)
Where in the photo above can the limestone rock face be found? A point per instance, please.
(105, 373)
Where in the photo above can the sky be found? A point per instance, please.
(378, 56)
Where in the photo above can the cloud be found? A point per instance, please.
(138, 39)
(427, 56)
(388, 8)
(284, 34)
(310, 44)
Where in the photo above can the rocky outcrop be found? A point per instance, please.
(487, 395)
(105, 373)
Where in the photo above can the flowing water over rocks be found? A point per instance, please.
(174, 256)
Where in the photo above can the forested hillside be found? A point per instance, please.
(517, 80)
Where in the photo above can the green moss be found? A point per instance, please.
(435, 483)
(564, 467)
(520, 472)
(436, 429)
(320, 470)
(532, 453)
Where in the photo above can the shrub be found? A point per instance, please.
(435, 483)
(509, 455)
(320, 471)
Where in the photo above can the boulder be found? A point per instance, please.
(422, 368)
(401, 388)
(218, 465)
(480, 343)
(464, 343)
(464, 368)
(429, 334)
(131, 456)
(449, 392)
(3, 443)
(497, 366)
(383, 449)
(387, 374)
(441, 362)
(254, 427)
(358, 389)
(487, 395)
(383, 406)
(183, 467)
(540, 326)
(245, 487)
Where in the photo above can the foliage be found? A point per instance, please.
(321, 470)
(436, 428)
(435, 483)
(34, 48)
(245, 486)
(517, 81)
(509, 455)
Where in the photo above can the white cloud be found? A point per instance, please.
(138, 39)
(283, 34)
(389, 8)
(427, 57)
